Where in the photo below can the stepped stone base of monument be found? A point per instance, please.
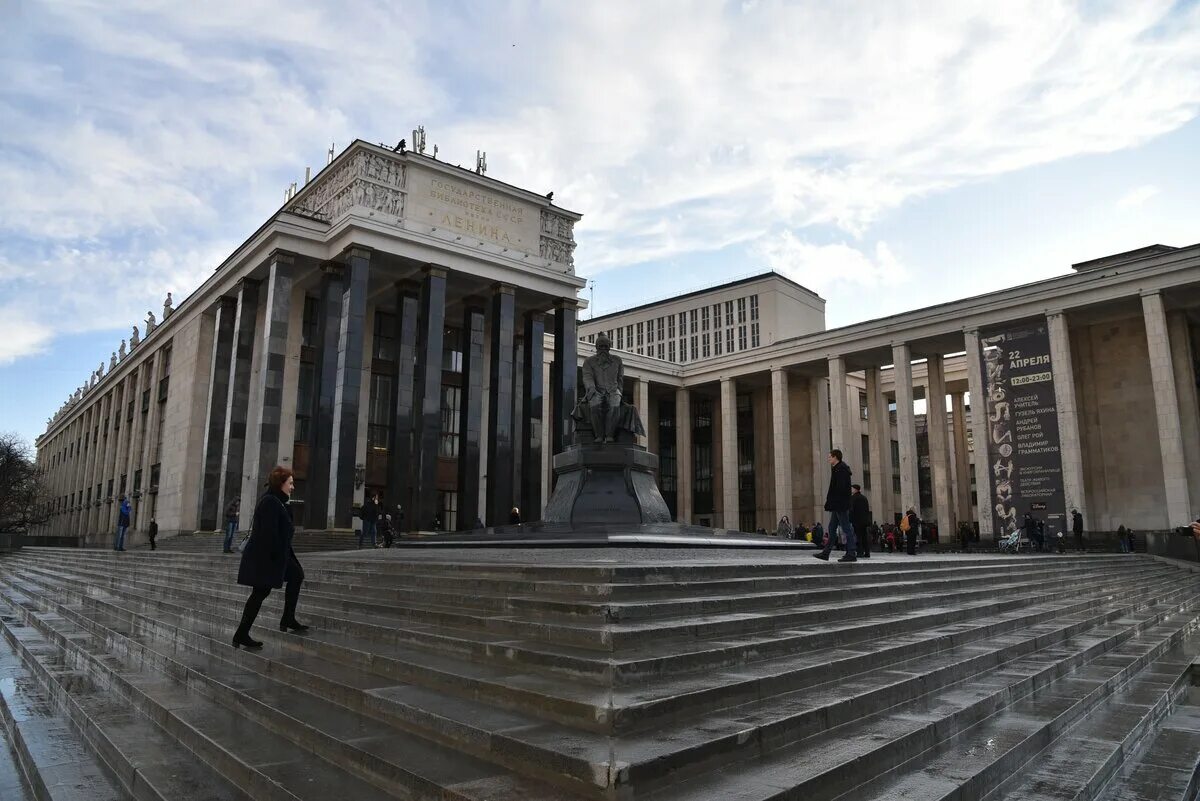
(557, 674)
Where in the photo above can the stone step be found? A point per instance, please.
(890, 754)
(577, 663)
(1083, 759)
(147, 763)
(603, 634)
(520, 739)
(1167, 766)
(277, 741)
(48, 760)
(510, 611)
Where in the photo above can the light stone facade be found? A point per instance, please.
(360, 372)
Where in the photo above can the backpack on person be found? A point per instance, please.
(904, 524)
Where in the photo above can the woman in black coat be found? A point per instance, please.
(269, 560)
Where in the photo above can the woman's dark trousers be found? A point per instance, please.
(291, 595)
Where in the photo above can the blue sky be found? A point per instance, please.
(889, 156)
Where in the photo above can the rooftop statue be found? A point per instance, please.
(168, 305)
(134, 339)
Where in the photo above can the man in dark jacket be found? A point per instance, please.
(837, 503)
(860, 518)
(1032, 532)
(911, 526)
(124, 517)
(1077, 529)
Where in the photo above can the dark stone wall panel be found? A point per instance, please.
(470, 426)
(500, 407)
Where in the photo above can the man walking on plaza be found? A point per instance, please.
(860, 518)
(837, 503)
(231, 523)
(1077, 529)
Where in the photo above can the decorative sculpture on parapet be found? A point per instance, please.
(601, 413)
(112, 361)
(134, 339)
(167, 307)
(151, 323)
(121, 351)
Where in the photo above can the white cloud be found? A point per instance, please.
(819, 267)
(142, 139)
(1137, 197)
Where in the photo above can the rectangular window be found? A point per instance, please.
(741, 307)
(741, 337)
(717, 344)
(639, 335)
(862, 406)
(705, 344)
(716, 313)
(728, 312)
(620, 343)
(111, 482)
(649, 332)
(704, 319)
(671, 326)
(155, 472)
(729, 340)
(683, 324)
(671, 351)
(166, 360)
(753, 307)
(137, 480)
(308, 328)
(754, 335)
(305, 387)
(660, 329)
(448, 509)
(383, 340)
(660, 349)
(702, 454)
(695, 351)
(163, 386)
(693, 317)
(124, 476)
(452, 350)
(448, 442)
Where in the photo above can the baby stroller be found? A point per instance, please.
(1012, 543)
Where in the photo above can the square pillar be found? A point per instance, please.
(427, 399)
(839, 413)
(980, 434)
(818, 404)
(224, 312)
(962, 457)
(906, 429)
(329, 323)
(347, 390)
(729, 454)
(879, 443)
(781, 439)
(683, 455)
(274, 339)
(400, 461)
(470, 416)
(564, 391)
(1070, 445)
(939, 446)
(1166, 407)
(532, 412)
(500, 406)
(1183, 362)
(233, 453)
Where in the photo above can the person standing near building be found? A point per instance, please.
(1077, 529)
(269, 561)
(860, 518)
(784, 529)
(910, 524)
(1030, 525)
(152, 533)
(385, 527)
(232, 512)
(837, 503)
(124, 515)
(369, 516)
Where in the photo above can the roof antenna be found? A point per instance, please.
(329, 155)
(418, 139)
(480, 162)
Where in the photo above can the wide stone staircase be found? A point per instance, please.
(530, 675)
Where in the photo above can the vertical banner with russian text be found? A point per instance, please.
(1024, 461)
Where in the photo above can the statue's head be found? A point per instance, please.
(603, 343)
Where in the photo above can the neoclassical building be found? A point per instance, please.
(399, 326)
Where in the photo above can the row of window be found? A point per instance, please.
(692, 334)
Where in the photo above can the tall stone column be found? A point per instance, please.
(839, 412)
(879, 443)
(233, 451)
(518, 422)
(642, 402)
(939, 446)
(1166, 406)
(428, 395)
(906, 429)
(329, 317)
(818, 404)
(564, 380)
(401, 476)
(683, 455)
(224, 310)
(729, 454)
(153, 421)
(470, 415)
(500, 406)
(1069, 435)
(274, 340)
(132, 451)
(979, 433)
(533, 413)
(962, 457)
(1182, 361)
(109, 438)
(781, 433)
(348, 383)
